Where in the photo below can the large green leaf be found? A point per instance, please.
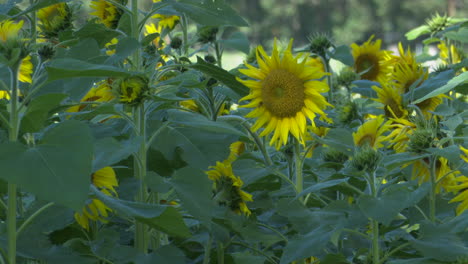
(321, 185)
(209, 13)
(97, 31)
(70, 68)
(57, 168)
(221, 75)
(237, 41)
(194, 190)
(108, 151)
(393, 161)
(160, 217)
(39, 110)
(435, 90)
(416, 32)
(342, 53)
(461, 35)
(431, 87)
(394, 199)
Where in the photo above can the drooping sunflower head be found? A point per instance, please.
(132, 90)
(370, 61)
(26, 70)
(107, 13)
(392, 100)
(371, 133)
(401, 129)
(101, 92)
(227, 188)
(236, 149)
(9, 30)
(54, 19)
(95, 210)
(285, 91)
(167, 21)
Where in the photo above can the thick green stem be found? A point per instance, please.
(13, 137)
(220, 253)
(432, 194)
(206, 258)
(298, 167)
(218, 54)
(141, 230)
(374, 224)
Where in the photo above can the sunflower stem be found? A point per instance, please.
(12, 190)
(141, 230)
(220, 251)
(374, 223)
(432, 194)
(298, 167)
(206, 258)
(185, 34)
(218, 54)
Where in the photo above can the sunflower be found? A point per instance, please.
(392, 101)
(407, 73)
(54, 19)
(319, 131)
(95, 210)
(462, 193)
(236, 149)
(371, 133)
(102, 92)
(108, 13)
(110, 46)
(446, 177)
(227, 188)
(9, 30)
(284, 93)
(166, 21)
(25, 70)
(370, 61)
(153, 29)
(132, 90)
(401, 129)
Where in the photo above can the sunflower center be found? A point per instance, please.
(368, 63)
(283, 93)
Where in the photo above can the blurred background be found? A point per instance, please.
(346, 21)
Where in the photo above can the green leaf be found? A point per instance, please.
(125, 47)
(201, 122)
(399, 159)
(342, 53)
(416, 32)
(392, 201)
(461, 35)
(96, 31)
(245, 257)
(160, 217)
(221, 75)
(441, 246)
(39, 110)
(306, 246)
(451, 153)
(364, 87)
(321, 185)
(339, 138)
(57, 168)
(237, 41)
(108, 151)
(69, 68)
(438, 85)
(209, 13)
(194, 190)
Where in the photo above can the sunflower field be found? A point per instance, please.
(123, 139)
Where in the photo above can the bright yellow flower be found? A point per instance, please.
(227, 188)
(422, 173)
(462, 193)
(152, 29)
(9, 30)
(371, 133)
(390, 97)
(110, 46)
(53, 19)
(370, 61)
(95, 210)
(108, 14)
(26, 70)
(236, 148)
(166, 21)
(102, 92)
(132, 89)
(398, 138)
(285, 93)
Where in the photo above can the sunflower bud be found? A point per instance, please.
(421, 140)
(207, 34)
(108, 14)
(438, 23)
(46, 52)
(366, 159)
(176, 43)
(132, 90)
(54, 19)
(210, 59)
(348, 112)
(347, 77)
(13, 48)
(319, 44)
